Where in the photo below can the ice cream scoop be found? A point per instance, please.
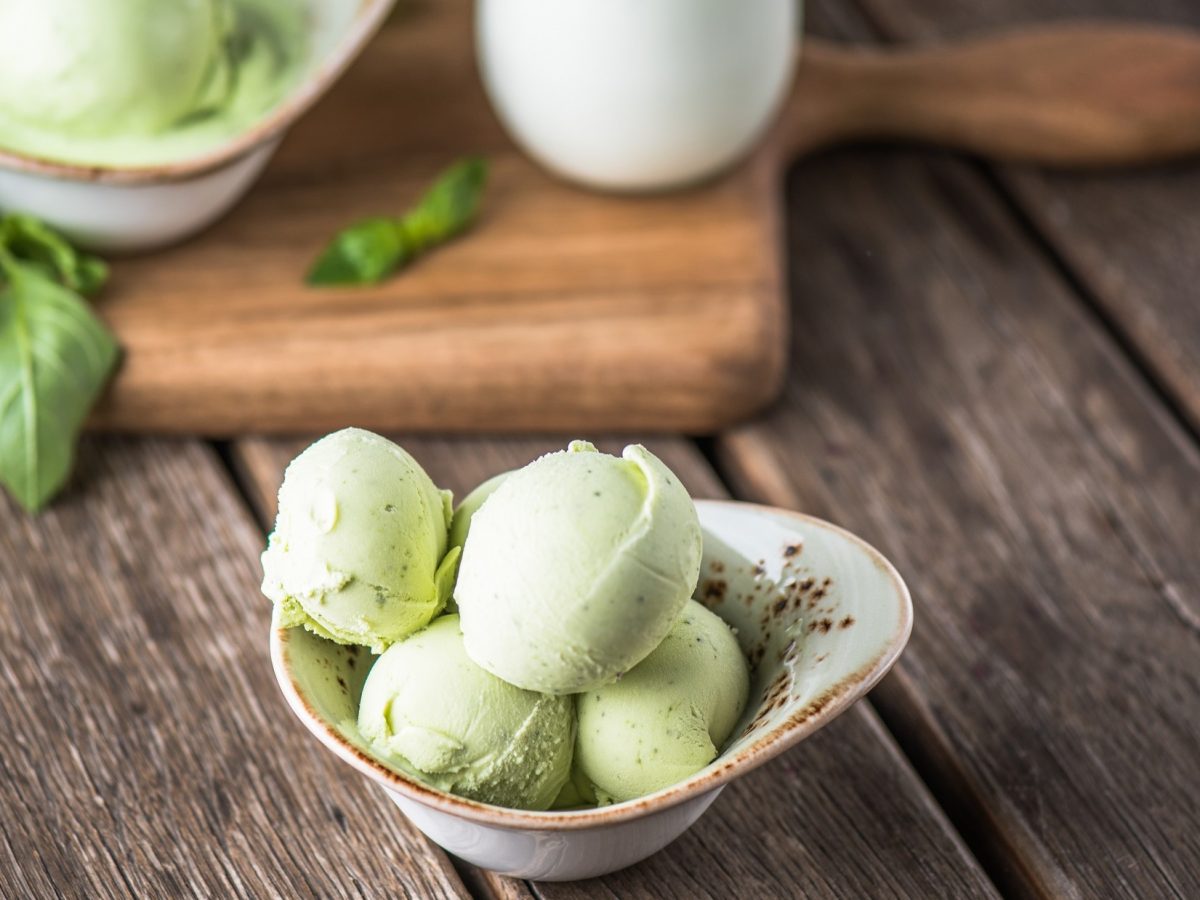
(88, 67)
(137, 82)
(359, 553)
(668, 717)
(576, 567)
(430, 711)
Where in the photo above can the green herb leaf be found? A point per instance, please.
(31, 241)
(371, 250)
(365, 253)
(55, 357)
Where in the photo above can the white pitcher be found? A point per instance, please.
(637, 95)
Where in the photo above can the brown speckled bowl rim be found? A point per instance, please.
(368, 18)
(815, 715)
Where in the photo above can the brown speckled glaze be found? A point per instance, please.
(820, 615)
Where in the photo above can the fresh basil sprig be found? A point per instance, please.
(55, 356)
(369, 251)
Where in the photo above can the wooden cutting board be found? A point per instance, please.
(562, 309)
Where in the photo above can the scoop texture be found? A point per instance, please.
(358, 554)
(431, 712)
(143, 82)
(576, 567)
(667, 718)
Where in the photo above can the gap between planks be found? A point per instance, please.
(1172, 402)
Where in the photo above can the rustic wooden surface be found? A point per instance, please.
(953, 403)
(145, 752)
(1126, 238)
(995, 379)
(1078, 94)
(564, 309)
(1099, 492)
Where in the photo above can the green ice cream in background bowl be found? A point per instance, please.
(129, 124)
(143, 82)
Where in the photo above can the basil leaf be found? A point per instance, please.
(55, 358)
(448, 207)
(365, 253)
(31, 241)
(370, 250)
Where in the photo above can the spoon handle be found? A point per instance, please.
(1084, 94)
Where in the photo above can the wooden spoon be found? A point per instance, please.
(1084, 94)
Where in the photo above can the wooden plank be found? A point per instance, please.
(1128, 238)
(955, 404)
(841, 816)
(146, 749)
(562, 309)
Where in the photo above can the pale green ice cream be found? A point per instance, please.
(140, 82)
(359, 552)
(461, 524)
(431, 712)
(576, 567)
(577, 793)
(667, 718)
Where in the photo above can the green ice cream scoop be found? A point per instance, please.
(358, 554)
(576, 567)
(88, 67)
(431, 712)
(143, 82)
(666, 718)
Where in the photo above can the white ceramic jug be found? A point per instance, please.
(637, 95)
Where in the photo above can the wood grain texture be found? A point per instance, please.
(1078, 94)
(1128, 238)
(842, 815)
(561, 309)
(146, 750)
(566, 309)
(952, 402)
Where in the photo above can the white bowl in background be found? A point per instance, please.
(821, 615)
(127, 208)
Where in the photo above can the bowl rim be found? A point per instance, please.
(367, 20)
(820, 711)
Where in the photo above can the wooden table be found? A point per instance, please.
(995, 379)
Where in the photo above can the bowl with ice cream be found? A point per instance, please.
(556, 679)
(129, 124)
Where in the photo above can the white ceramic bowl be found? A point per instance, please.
(821, 615)
(137, 208)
